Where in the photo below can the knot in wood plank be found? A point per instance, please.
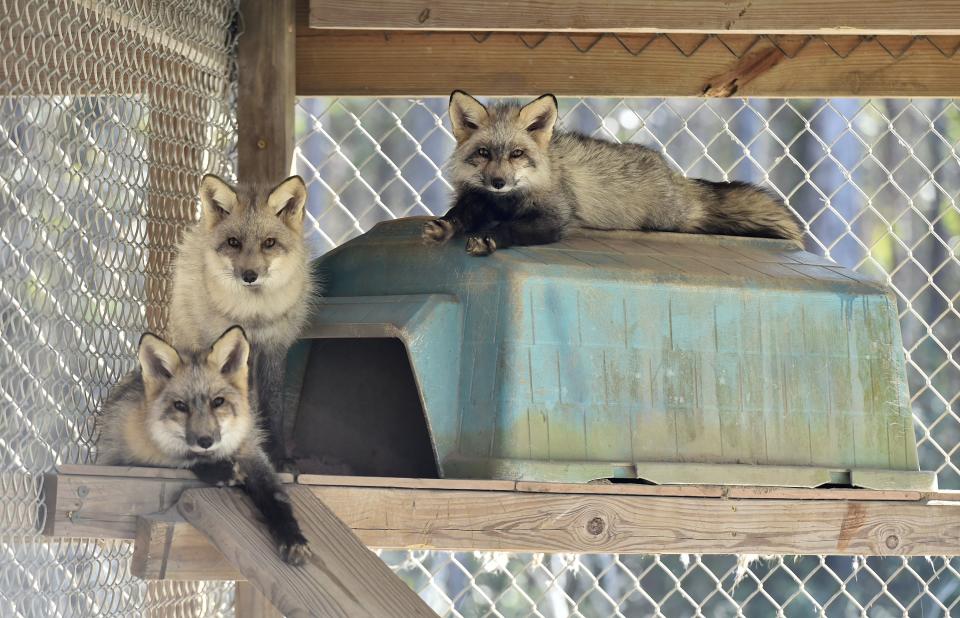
(596, 526)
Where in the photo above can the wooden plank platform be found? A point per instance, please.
(465, 515)
(341, 578)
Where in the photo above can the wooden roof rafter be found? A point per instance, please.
(741, 16)
(789, 48)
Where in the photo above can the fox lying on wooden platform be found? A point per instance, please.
(191, 410)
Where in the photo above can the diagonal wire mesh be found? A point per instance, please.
(481, 584)
(109, 112)
(876, 183)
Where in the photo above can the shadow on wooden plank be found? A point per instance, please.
(342, 577)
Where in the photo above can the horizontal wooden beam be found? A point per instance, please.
(604, 523)
(105, 501)
(351, 63)
(531, 517)
(167, 547)
(754, 492)
(742, 16)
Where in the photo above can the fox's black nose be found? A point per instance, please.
(249, 276)
(497, 183)
(205, 442)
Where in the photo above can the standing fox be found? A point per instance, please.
(192, 410)
(519, 182)
(245, 263)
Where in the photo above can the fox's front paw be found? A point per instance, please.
(437, 231)
(295, 551)
(288, 465)
(222, 472)
(481, 245)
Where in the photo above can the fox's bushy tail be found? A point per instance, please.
(743, 209)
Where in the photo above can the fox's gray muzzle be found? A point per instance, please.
(203, 431)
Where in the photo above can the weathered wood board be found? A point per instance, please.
(166, 547)
(783, 16)
(341, 578)
(463, 515)
(416, 64)
(266, 99)
(249, 602)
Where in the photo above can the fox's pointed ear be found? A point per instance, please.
(466, 115)
(287, 200)
(539, 117)
(158, 362)
(218, 199)
(229, 355)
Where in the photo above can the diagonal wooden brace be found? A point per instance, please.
(342, 578)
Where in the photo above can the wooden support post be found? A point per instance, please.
(266, 97)
(341, 578)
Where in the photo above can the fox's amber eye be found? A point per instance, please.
(234, 242)
(216, 403)
(516, 153)
(483, 152)
(269, 243)
(182, 407)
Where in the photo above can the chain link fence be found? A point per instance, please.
(483, 584)
(875, 181)
(110, 112)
